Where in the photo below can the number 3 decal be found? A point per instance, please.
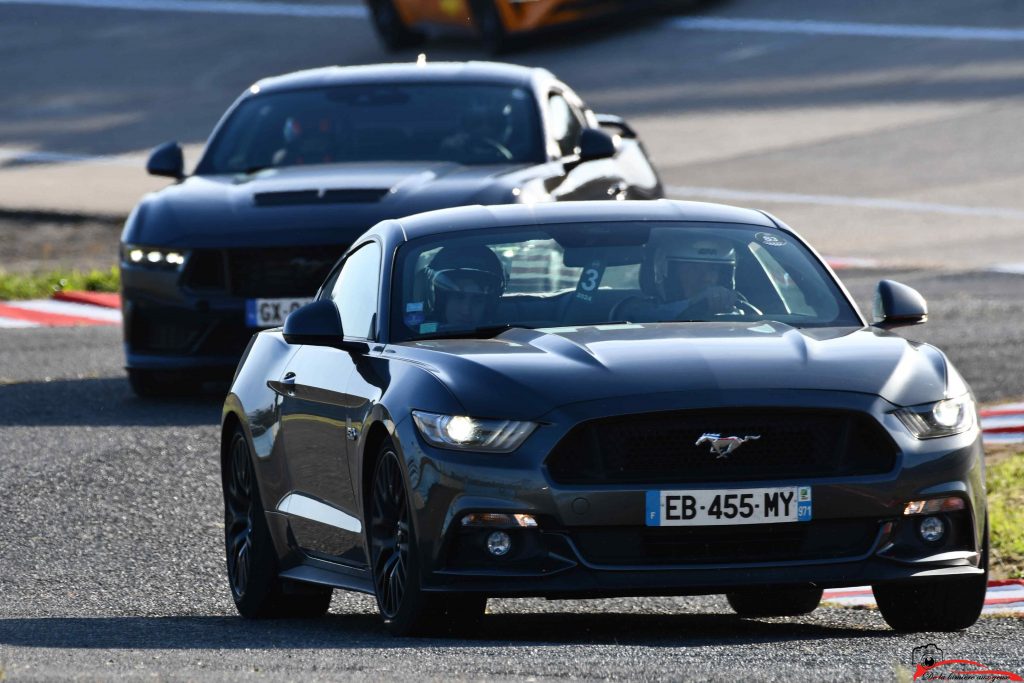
(590, 278)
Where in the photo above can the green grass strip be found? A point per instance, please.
(1006, 515)
(42, 285)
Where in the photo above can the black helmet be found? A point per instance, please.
(470, 269)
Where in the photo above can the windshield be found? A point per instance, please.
(480, 282)
(462, 123)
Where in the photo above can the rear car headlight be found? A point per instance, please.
(942, 418)
(157, 258)
(464, 433)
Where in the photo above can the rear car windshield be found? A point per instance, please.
(586, 274)
(469, 124)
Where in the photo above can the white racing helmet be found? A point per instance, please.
(675, 252)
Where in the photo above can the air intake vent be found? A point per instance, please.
(306, 197)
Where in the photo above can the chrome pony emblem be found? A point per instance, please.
(722, 446)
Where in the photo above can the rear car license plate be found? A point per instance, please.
(270, 312)
(716, 507)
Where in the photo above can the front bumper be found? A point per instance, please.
(592, 540)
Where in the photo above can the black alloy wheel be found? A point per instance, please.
(394, 562)
(939, 604)
(251, 560)
(390, 28)
(789, 602)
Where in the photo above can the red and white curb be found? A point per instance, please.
(65, 309)
(1003, 424)
(1002, 597)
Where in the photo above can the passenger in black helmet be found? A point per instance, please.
(464, 285)
(694, 277)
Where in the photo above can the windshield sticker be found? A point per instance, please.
(414, 306)
(770, 240)
(427, 328)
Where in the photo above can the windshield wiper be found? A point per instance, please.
(257, 169)
(485, 332)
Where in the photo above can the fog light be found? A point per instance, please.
(498, 543)
(932, 529)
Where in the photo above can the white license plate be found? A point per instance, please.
(715, 507)
(270, 312)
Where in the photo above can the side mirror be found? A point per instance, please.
(318, 324)
(616, 122)
(167, 160)
(897, 305)
(596, 144)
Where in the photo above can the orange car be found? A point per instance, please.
(400, 23)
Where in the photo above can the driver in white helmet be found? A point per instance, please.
(694, 278)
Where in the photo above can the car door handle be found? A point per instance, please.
(284, 387)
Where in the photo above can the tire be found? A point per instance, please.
(490, 27)
(249, 549)
(941, 604)
(394, 561)
(391, 30)
(161, 384)
(789, 602)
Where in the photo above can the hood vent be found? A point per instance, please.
(308, 197)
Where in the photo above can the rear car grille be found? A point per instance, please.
(262, 273)
(657, 448)
(798, 541)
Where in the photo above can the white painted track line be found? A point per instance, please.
(841, 28)
(726, 194)
(264, 9)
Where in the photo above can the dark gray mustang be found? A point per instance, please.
(599, 399)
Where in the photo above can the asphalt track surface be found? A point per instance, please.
(111, 563)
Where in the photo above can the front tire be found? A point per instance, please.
(390, 28)
(395, 564)
(251, 560)
(942, 604)
(789, 602)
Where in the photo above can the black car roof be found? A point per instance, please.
(472, 217)
(489, 72)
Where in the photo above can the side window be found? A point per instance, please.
(565, 125)
(355, 292)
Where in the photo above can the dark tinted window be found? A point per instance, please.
(557, 276)
(464, 123)
(355, 291)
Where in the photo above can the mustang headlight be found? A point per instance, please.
(472, 434)
(157, 258)
(943, 418)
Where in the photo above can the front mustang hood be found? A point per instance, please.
(327, 204)
(534, 371)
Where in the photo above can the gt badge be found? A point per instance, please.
(722, 446)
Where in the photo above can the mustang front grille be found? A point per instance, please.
(661, 448)
(262, 273)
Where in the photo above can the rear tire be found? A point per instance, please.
(942, 604)
(251, 559)
(490, 27)
(788, 602)
(391, 30)
(394, 561)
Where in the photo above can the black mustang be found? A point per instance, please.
(303, 164)
(592, 399)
